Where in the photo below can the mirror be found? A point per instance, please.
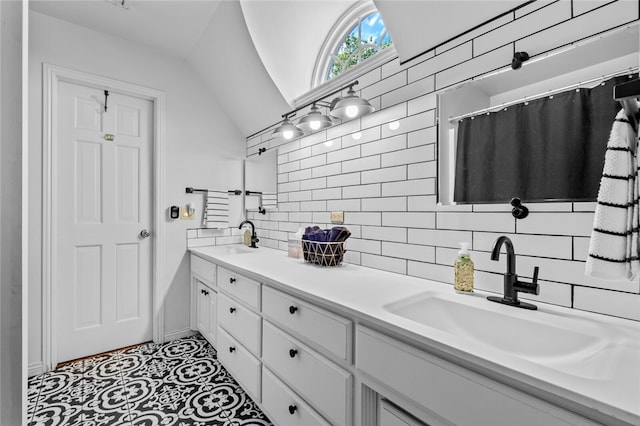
(615, 52)
(261, 181)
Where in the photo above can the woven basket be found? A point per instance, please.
(323, 254)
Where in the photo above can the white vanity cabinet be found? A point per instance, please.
(449, 393)
(306, 360)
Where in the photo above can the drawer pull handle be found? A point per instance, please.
(292, 309)
(232, 310)
(232, 349)
(293, 353)
(292, 409)
(232, 280)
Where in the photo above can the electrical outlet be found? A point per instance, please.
(337, 217)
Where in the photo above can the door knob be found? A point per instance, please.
(144, 233)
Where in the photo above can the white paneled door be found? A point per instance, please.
(103, 218)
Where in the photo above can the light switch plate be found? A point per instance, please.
(337, 217)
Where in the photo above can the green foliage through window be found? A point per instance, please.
(365, 39)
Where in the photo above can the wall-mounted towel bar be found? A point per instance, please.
(190, 190)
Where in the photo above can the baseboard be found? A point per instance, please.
(35, 369)
(186, 332)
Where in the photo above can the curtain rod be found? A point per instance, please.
(488, 21)
(541, 95)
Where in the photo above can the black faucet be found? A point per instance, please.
(254, 237)
(512, 286)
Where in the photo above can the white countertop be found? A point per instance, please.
(607, 384)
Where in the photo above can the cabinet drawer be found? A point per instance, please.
(204, 269)
(284, 407)
(243, 366)
(242, 288)
(320, 327)
(324, 385)
(240, 322)
(452, 392)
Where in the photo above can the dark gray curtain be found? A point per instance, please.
(551, 148)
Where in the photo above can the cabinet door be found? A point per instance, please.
(203, 309)
(213, 318)
(206, 319)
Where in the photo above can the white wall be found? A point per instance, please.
(385, 182)
(11, 379)
(202, 148)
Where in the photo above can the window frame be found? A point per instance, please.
(335, 39)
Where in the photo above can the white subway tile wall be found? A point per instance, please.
(213, 237)
(381, 172)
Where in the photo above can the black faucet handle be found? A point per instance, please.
(535, 287)
(536, 269)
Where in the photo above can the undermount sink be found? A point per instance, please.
(534, 335)
(234, 249)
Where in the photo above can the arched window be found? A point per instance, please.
(366, 38)
(358, 36)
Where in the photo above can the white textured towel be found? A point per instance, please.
(269, 200)
(613, 249)
(216, 209)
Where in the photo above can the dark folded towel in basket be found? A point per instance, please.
(324, 246)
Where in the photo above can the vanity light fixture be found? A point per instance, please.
(350, 106)
(342, 107)
(315, 120)
(287, 130)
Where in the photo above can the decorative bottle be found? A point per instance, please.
(463, 270)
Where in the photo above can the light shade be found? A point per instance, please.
(315, 120)
(351, 106)
(287, 130)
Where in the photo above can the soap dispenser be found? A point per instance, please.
(463, 271)
(247, 237)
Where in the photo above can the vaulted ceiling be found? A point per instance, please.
(257, 56)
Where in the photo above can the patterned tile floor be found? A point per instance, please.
(178, 383)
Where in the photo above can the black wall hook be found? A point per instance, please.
(518, 59)
(519, 211)
(106, 97)
(261, 150)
